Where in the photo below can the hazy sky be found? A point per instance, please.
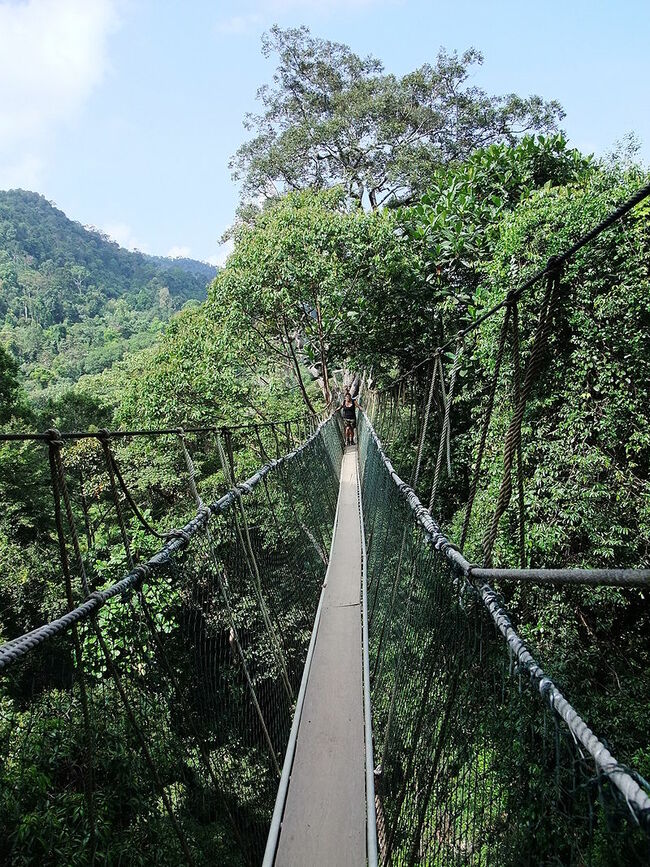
(125, 112)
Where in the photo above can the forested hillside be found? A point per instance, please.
(368, 269)
(72, 301)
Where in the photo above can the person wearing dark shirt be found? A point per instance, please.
(349, 410)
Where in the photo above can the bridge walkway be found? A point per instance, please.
(324, 820)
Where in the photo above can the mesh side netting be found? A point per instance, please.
(154, 731)
(472, 766)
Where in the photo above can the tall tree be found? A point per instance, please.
(299, 277)
(332, 118)
(10, 393)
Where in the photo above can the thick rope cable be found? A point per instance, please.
(516, 373)
(56, 474)
(445, 434)
(630, 790)
(109, 658)
(513, 435)
(227, 464)
(553, 263)
(487, 418)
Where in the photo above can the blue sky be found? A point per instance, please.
(125, 112)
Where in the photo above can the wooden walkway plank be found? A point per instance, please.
(324, 820)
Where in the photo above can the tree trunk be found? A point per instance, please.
(323, 357)
(296, 366)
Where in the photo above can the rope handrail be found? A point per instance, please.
(35, 436)
(552, 266)
(603, 577)
(178, 540)
(631, 791)
(594, 577)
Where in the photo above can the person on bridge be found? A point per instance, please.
(349, 407)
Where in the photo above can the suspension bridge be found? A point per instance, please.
(308, 671)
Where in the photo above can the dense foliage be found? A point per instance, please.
(72, 302)
(585, 448)
(318, 286)
(333, 118)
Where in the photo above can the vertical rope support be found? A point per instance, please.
(191, 474)
(104, 437)
(411, 400)
(484, 431)
(251, 562)
(264, 455)
(62, 491)
(84, 508)
(395, 404)
(56, 457)
(513, 435)
(425, 426)
(445, 435)
(56, 471)
(276, 439)
(516, 367)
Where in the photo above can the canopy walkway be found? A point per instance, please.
(477, 756)
(324, 815)
(308, 671)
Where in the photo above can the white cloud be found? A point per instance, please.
(265, 11)
(322, 6)
(219, 258)
(238, 24)
(24, 171)
(123, 234)
(53, 53)
(179, 251)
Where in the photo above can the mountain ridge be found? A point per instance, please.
(72, 301)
